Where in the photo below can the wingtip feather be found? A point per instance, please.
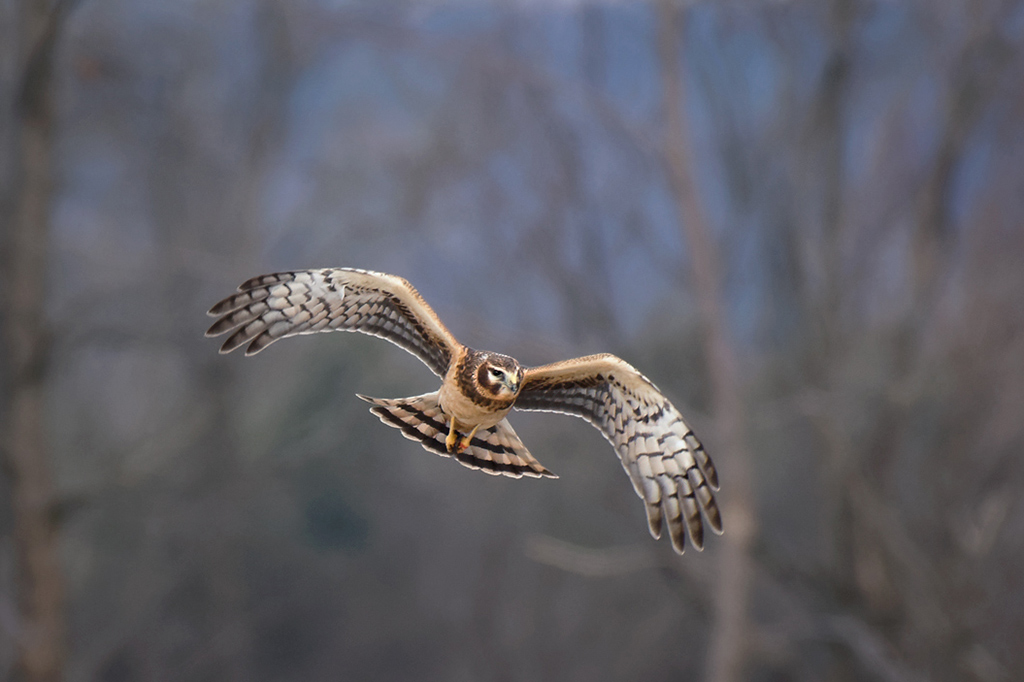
(654, 520)
(714, 516)
(712, 477)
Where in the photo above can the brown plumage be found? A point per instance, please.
(466, 417)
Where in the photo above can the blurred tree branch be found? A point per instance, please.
(728, 647)
(589, 562)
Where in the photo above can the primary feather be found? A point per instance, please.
(272, 307)
(668, 466)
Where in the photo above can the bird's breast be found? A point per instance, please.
(467, 411)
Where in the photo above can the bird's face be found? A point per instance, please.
(499, 376)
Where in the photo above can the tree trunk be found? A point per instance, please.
(41, 636)
(728, 646)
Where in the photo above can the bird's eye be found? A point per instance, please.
(495, 372)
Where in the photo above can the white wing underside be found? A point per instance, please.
(665, 461)
(272, 307)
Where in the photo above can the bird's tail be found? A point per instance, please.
(496, 450)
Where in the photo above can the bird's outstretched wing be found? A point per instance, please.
(667, 464)
(271, 307)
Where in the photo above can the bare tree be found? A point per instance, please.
(244, 520)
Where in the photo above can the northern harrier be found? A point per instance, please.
(466, 417)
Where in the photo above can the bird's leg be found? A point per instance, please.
(464, 443)
(453, 436)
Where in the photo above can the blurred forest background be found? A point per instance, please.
(803, 219)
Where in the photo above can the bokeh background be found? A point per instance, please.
(803, 219)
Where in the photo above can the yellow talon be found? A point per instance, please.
(449, 442)
(464, 442)
(456, 442)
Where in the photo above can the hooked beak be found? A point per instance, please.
(511, 383)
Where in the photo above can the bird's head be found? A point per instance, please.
(499, 376)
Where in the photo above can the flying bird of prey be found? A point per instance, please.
(467, 417)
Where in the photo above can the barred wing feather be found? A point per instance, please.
(272, 307)
(666, 462)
